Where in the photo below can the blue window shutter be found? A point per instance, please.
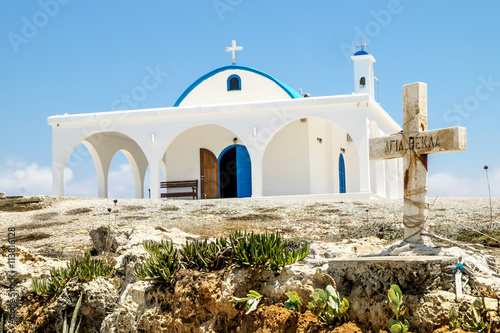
(244, 172)
(342, 174)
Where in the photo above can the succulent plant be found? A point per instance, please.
(397, 305)
(162, 264)
(479, 317)
(327, 306)
(454, 321)
(252, 300)
(81, 268)
(264, 251)
(73, 327)
(294, 302)
(205, 255)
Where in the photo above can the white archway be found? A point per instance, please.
(103, 146)
(181, 160)
(302, 158)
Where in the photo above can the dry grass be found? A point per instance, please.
(133, 208)
(37, 225)
(78, 211)
(44, 216)
(170, 208)
(256, 217)
(135, 217)
(34, 236)
(215, 212)
(383, 230)
(267, 209)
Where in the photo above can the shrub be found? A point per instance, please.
(81, 269)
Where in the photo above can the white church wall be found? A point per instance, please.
(392, 182)
(377, 168)
(155, 130)
(318, 145)
(254, 88)
(286, 161)
(352, 168)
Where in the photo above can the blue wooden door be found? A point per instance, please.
(244, 172)
(341, 174)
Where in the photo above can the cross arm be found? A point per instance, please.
(428, 142)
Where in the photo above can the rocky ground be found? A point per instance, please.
(50, 231)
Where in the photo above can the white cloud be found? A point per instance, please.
(20, 178)
(121, 182)
(452, 185)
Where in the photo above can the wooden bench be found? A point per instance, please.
(193, 184)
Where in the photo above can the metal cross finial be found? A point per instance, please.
(363, 45)
(233, 49)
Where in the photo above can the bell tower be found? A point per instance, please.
(363, 71)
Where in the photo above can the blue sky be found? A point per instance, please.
(69, 56)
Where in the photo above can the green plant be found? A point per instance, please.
(479, 317)
(264, 251)
(259, 251)
(397, 305)
(294, 302)
(205, 255)
(73, 328)
(81, 268)
(252, 300)
(162, 264)
(1, 324)
(454, 322)
(30, 328)
(327, 306)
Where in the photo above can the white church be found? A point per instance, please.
(240, 132)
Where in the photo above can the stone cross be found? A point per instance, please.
(233, 49)
(414, 143)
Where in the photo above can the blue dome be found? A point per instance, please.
(362, 52)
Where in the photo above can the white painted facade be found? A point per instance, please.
(294, 142)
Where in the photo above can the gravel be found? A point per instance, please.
(61, 228)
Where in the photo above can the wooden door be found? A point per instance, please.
(208, 175)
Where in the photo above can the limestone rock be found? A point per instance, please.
(23, 204)
(99, 298)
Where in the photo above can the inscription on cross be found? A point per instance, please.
(414, 143)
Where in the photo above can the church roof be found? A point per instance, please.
(291, 92)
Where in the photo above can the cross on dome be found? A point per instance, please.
(233, 49)
(363, 45)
